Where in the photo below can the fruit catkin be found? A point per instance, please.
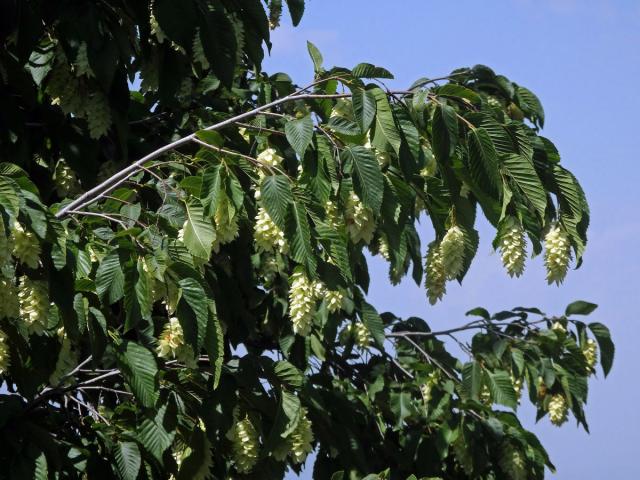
(334, 299)
(226, 225)
(302, 302)
(436, 279)
(557, 255)
(171, 343)
(26, 247)
(302, 438)
(65, 180)
(5, 355)
(361, 335)
(557, 409)
(360, 222)
(267, 236)
(590, 353)
(33, 298)
(513, 249)
(244, 438)
(452, 252)
(512, 462)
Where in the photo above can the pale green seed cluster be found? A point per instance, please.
(334, 300)
(426, 389)
(269, 157)
(590, 353)
(303, 295)
(382, 157)
(517, 386)
(275, 12)
(65, 180)
(356, 332)
(171, 343)
(360, 222)
(5, 354)
(513, 249)
(513, 462)
(267, 236)
(331, 210)
(342, 108)
(302, 439)
(436, 278)
(558, 327)
(245, 445)
(26, 247)
(226, 225)
(452, 252)
(557, 409)
(9, 305)
(485, 395)
(67, 359)
(383, 248)
(557, 255)
(33, 299)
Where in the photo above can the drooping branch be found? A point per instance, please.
(120, 177)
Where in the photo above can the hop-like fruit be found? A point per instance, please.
(302, 303)
(590, 353)
(26, 247)
(343, 108)
(9, 305)
(517, 386)
(5, 354)
(452, 252)
(267, 235)
(558, 327)
(226, 224)
(557, 409)
(334, 299)
(513, 462)
(361, 335)
(331, 210)
(557, 255)
(436, 277)
(65, 180)
(67, 359)
(275, 12)
(171, 343)
(513, 249)
(33, 298)
(269, 157)
(426, 389)
(360, 222)
(485, 395)
(245, 445)
(383, 248)
(302, 439)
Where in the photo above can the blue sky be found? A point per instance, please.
(582, 58)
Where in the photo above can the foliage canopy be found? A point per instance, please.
(184, 264)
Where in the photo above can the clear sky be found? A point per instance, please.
(582, 58)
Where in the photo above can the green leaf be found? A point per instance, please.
(607, 348)
(385, 130)
(211, 137)
(530, 104)
(373, 322)
(483, 160)
(110, 279)
(299, 133)
(153, 435)
(41, 468)
(300, 234)
(128, 460)
(291, 408)
(367, 70)
(198, 464)
(214, 344)
(580, 307)
(288, 374)
(479, 312)
(276, 196)
(139, 369)
(453, 90)
(199, 233)
(316, 56)
(344, 126)
(472, 379)
(9, 196)
(211, 187)
(296, 10)
(196, 298)
(444, 131)
(502, 390)
(364, 107)
(368, 179)
(524, 175)
(401, 406)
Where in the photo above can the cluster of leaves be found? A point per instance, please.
(165, 296)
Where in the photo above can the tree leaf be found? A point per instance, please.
(580, 307)
(153, 435)
(110, 279)
(214, 344)
(276, 196)
(364, 107)
(373, 322)
(444, 131)
(195, 297)
(197, 465)
(296, 10)
(199, 233)
(385, 130)
(128, 460)
(501, 388)
(299, 133)
(288, 374)
(472, 379)
(139, 369)
(522, 172)
(483, 160)
(367, 70)
(368, 179)
(316, 56)
(607, 348)
(300, 233)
